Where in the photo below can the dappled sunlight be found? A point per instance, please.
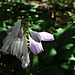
(37, 37)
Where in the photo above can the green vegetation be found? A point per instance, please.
(58, 57)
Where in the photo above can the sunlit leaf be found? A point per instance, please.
(52, 52)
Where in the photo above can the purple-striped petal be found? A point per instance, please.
(36, 47)
(35, 35)
(46, 36)
(20, 33)
(9, 30)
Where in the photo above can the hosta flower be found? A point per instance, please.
(9, 39)
(35, 41)
(41, 36)
(16, 42)
(36, 47)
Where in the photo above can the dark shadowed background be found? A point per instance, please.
(54, 16)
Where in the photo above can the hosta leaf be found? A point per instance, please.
(52, 70)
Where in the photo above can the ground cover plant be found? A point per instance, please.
(55, 17)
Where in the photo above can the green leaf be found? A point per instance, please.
(61, 4)
(36, 27)
(0, 3)
(65, 41)
(72, 58)
(74, 4)
(35, 60)
(52, 70)
(33, 10)
(60, 31)
(52, 52)
(35, 5)
(68, 46)
(35, 63)
(23, 11)
(40, 21)
(65, 66)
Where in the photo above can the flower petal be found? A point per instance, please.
(9, 30)
(9, 48)
(25, 48)
(36, 47)
(6, 45)
(46, 36)
(19, 50)
(16, 28)
(35, 35)
(20, 33)
(5, 39)
(14, 47)
(25, 61)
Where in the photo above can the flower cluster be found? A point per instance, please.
(16, 42)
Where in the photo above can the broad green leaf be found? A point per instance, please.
(74, 4)
(68, 46)
(35, 65)
(51, 70)
(33, 10)
(23, 11)
(35, 60)
(65, 66)
(36, 27)
(52, 52)
(72, 58)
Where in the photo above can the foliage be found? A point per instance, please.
(58, 57)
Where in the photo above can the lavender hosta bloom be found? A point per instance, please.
(16, 28)
(11, 37)
(46, 36)
(13, 32)
(16, 43)
(9, 48)
(35, 35)
(26, 59)
(4, 40)
(41, 36)
(20, 48)
(8, 42)
(36, 38)
(36, 47)
(15, 47)
(25, 48)
(20, 33)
